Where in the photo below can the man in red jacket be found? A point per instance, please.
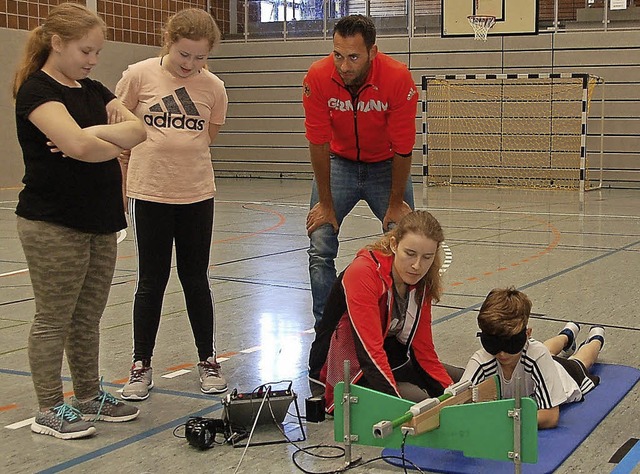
(360, 120)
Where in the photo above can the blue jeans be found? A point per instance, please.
(351, 181)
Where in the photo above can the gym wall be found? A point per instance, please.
(264, 134)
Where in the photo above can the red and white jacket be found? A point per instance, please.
(372, 126)
(361, 330)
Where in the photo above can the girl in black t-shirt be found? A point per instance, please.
(70, 129)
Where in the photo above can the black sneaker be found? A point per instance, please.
(62, 421)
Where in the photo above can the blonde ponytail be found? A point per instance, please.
(69, 21)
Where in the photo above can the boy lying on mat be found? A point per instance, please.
(550, 372)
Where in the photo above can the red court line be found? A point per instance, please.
(11, 406)
(281, 221)
(552, 245)
(228, 354)
(180, 367)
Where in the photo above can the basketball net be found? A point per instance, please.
(481, 25)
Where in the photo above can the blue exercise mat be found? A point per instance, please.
(577, 420)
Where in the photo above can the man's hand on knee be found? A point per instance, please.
(394, 214)
(321, 214)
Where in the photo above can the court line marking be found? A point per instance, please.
(90, 456)
(177, 373)
(554, 243)
(629, 461)
(251, 349)
(200, 396)
(476, 306)
(122, 234)
(125, 443)
(17, 272)
(20, 424)
(447, 209)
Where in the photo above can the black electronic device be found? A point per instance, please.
(201, 432)
(241, 409)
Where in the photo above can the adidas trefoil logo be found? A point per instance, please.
(172, 116)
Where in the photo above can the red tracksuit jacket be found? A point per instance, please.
(361, 330)
(378, 122)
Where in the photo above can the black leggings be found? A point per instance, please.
(156, 227)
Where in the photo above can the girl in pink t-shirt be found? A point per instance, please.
(170, 188)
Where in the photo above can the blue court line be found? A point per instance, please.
(125, 442)
(200, 396)
(107, 449)
(627, 463)
(537, 282)
(132, 439)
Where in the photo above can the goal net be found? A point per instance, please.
(524, 130)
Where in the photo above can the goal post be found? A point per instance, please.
(521, 130)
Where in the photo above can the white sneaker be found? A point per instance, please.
(596, 333)
(571, 330)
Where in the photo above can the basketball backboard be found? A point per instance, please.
(513, 17)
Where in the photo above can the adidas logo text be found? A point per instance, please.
(168, 120)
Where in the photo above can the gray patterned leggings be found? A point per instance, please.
(71, 273)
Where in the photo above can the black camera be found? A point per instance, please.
(201, 432)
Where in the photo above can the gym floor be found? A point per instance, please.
(576, 261)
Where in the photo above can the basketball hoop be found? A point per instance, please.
(481, 25)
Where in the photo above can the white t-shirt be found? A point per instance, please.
(173, 165)
(541, 377)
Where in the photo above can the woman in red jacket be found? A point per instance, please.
(378, 315)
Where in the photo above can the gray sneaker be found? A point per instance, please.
(62, 421)
(140, 382)
(105, 407)
(211, 381)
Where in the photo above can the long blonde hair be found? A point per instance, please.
(421, 223)
(69, 21)
(193, 24)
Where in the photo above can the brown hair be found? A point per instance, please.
(421, 223)
(69, 21)
(193, 24)
(505, 312)
(353, 25)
